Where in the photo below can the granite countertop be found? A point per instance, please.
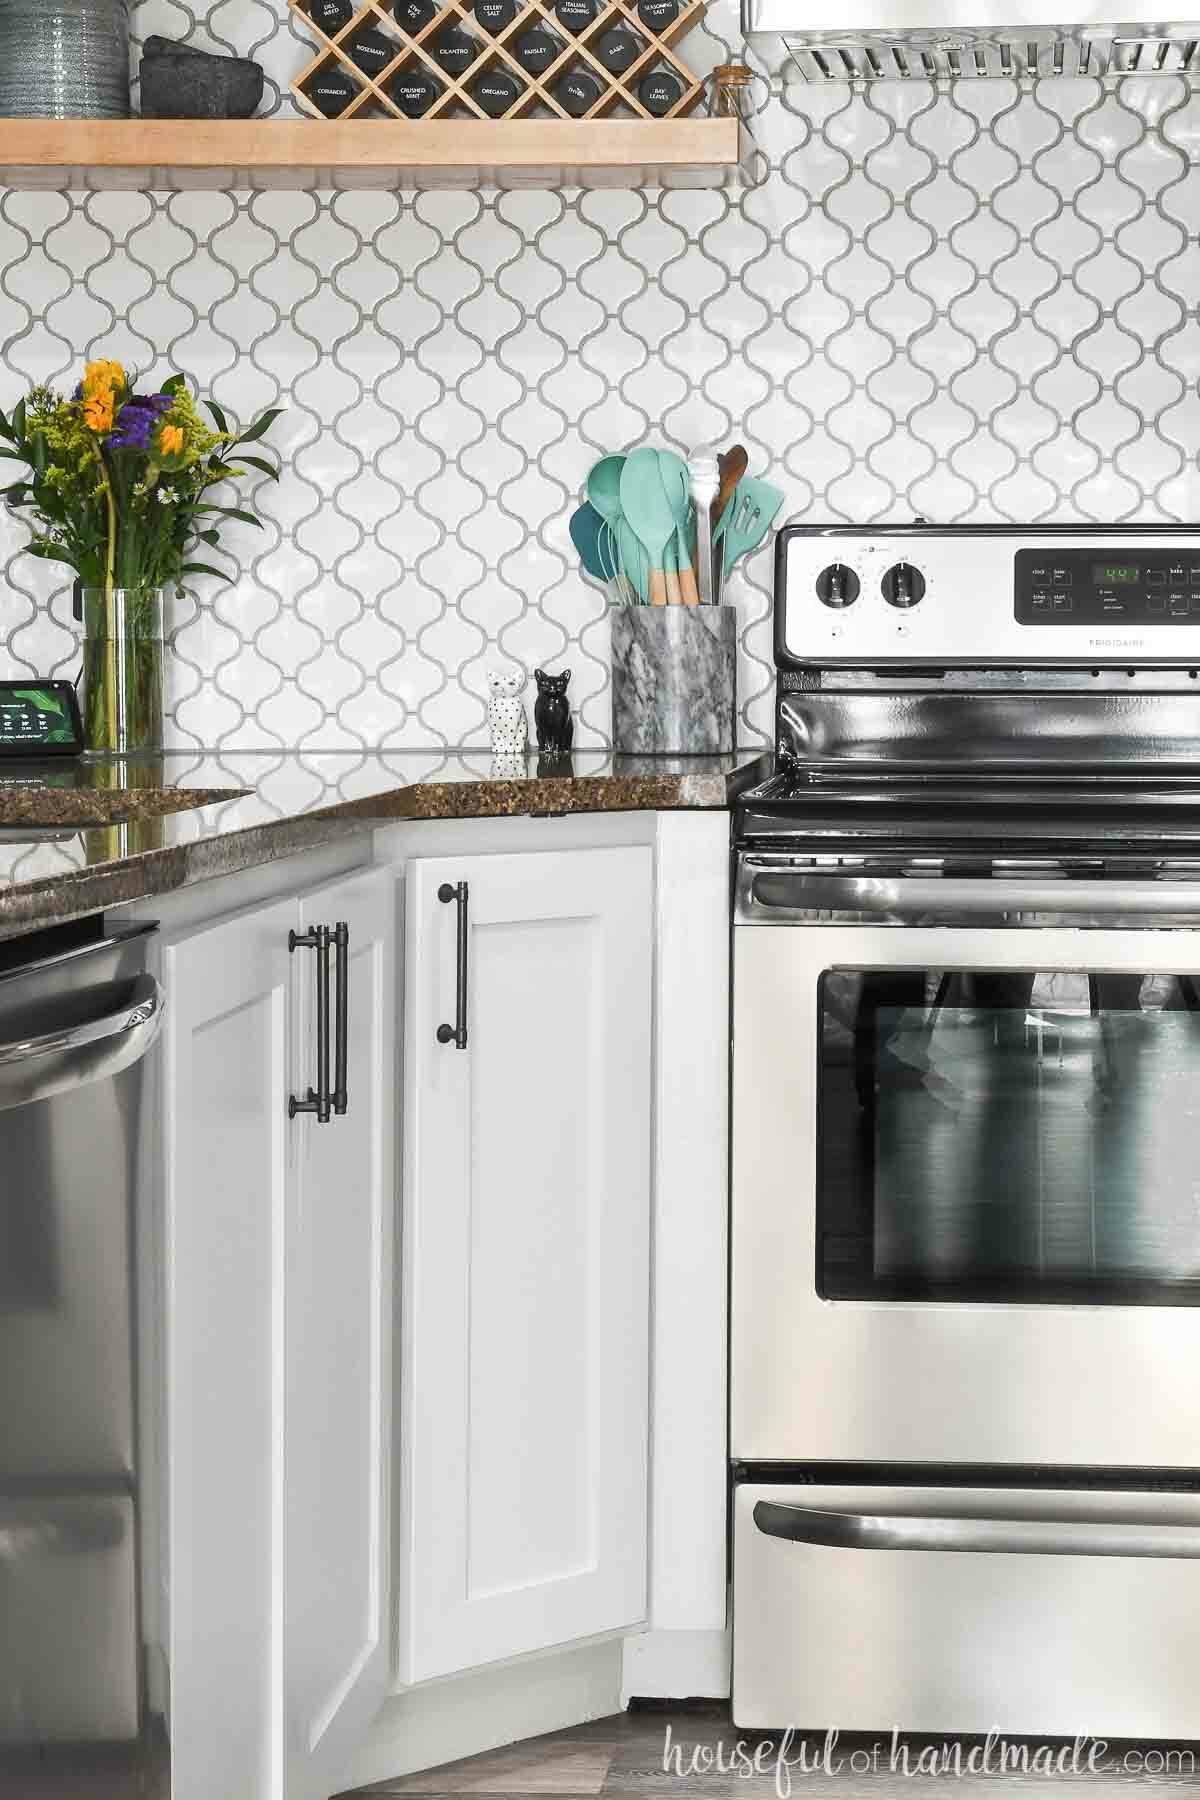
(79, 837)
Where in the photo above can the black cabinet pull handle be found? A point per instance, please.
(341, 1035)
(318, 1101)
(456, 1034)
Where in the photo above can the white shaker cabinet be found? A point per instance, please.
(278, 1254)
(526, 1253)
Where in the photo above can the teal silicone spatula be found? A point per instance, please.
(648, 512)
(586, 527)
(677, 487)
(747, 519)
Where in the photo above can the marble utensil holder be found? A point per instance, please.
(674, 680)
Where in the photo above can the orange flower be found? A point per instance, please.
(98, 413)
(100, 378)
(171, 440)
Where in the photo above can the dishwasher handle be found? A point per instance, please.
(91, 1049)
(766, 892)
(1045, 1537)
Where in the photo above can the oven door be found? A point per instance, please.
(966, 1174)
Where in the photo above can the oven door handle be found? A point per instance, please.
(1037, 1537)
(768, 892)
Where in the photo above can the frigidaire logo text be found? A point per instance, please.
(1121, 643)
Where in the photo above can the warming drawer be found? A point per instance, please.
(953, 1610)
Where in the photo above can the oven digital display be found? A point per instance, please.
(1116, 574)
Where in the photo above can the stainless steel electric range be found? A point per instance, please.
(965, 1401)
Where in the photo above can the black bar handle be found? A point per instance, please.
(341, 1026)
(456, 1034)
(318, 1101)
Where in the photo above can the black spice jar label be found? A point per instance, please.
(331, 93)
(535, 50)
(619, 48)
(331, 15)
(494, 16)
(454, 51)
(658, 92)
(373, 52)
(413, 15)
(575, 15)
(414, 93)
(577, 93)
(658, 15)
(496, 92)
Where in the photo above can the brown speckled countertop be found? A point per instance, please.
(78, 838)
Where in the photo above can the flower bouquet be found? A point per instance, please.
(119, 490)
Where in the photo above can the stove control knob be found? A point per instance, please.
(903, 585)
(837, 586)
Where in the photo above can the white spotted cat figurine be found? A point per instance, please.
(506, 715)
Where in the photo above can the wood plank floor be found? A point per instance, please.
(632, 1757)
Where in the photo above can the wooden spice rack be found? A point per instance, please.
(618, 93)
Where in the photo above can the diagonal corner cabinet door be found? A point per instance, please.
(279, 1240)
(526, 1255)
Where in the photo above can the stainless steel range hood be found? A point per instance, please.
(866, 40)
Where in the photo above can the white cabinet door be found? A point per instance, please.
(337, 1325)
(526, 1221)
(279, 1244)
(226, 1148)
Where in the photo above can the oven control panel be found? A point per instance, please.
(973, 596)
(1107, 587)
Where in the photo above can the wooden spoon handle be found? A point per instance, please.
(658, 588)
(688, 591)
(671, 572)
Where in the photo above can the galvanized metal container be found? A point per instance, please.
(64, 59)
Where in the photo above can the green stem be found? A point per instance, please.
(110, 559)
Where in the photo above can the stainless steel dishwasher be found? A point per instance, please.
(79, 1008)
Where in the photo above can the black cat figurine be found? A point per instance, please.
(551, 714)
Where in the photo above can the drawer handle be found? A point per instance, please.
(1045, 1537)
(341, 1016)
(318, 1099)
(456, 1034)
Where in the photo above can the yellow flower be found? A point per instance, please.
(100, 378)
(170, 440)
(98, 413)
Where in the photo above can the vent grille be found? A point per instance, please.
(952, 55)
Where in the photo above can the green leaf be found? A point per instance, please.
(6, 429)
(37, 445)
(192, 568)
(231, 512)
(260, 426)
(212, 538)
(266, 468)
(18, 419)
(172, 384)
(222, 423)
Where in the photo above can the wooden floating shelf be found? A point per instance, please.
(356, 153)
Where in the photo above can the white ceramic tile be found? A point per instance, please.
(972, 302)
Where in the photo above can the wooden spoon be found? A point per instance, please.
(731, 467)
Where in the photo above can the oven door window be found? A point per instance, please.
(1009, 1136)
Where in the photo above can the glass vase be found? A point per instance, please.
(122, 698)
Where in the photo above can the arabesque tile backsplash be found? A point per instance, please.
(978, 302)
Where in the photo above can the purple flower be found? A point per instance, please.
(136, 421)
